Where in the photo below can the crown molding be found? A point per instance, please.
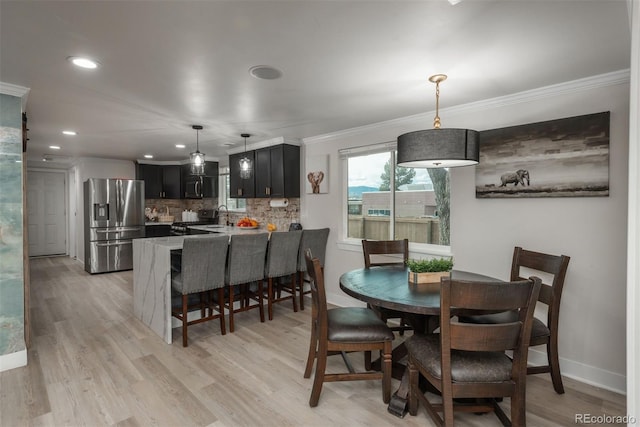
(17, 91)
(580, 85)
(266, 143)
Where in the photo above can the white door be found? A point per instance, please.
(46, 213)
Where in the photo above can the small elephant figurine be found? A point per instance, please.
(315, 178)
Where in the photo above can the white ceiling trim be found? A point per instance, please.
(17, 91)
(580, 85)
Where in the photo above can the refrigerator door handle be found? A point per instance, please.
(117, 229)
(113, 243)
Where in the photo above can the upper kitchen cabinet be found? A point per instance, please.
(241, 188)
(277, 171)
(198, 187)
(160, 181)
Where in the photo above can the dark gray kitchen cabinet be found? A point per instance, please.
(160, 181)
(277, 171)
(241, 188)
(209, 181)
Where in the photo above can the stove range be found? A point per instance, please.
(205, 216)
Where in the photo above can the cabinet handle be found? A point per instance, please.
(268, 191)
(239, 191)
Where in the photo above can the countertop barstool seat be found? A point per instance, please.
(245, 267)
(202, 271)
(282, 261)
(316, 241)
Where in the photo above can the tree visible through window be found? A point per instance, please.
(416, 208)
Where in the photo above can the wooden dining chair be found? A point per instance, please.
(201, 273)
(527, 262)
(468, 360)
(387, 253)
(341, 330)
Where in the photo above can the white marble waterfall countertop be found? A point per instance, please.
(152, 276)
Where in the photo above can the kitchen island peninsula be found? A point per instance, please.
(152, 276)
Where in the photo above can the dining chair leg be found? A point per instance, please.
(313, 351)
(386, 372)
(184, 320)
(554, 364)
(367, 361)
(318, 379)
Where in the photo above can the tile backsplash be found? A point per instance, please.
(259, 209)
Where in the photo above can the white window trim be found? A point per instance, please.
(355, 245)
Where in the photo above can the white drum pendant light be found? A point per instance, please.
(438, 148)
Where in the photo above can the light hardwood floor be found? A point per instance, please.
(92, 363)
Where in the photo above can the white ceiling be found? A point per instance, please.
(166, 65)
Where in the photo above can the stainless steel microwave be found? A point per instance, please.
(193, 188)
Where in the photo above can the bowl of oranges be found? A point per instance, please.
(248, 223)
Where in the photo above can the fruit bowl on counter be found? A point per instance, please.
(248, 223)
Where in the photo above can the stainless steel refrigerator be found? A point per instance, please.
(113, 216)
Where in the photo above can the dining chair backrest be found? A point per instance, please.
(318, 294)
(316, 240)
(203, 263)
(282, 253)
(385, 252)
(520, 295)
(247, 254)
(536, 262)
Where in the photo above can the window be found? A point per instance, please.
(232, 204)
(390, 202)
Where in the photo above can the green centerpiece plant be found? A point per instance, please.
(430, 270)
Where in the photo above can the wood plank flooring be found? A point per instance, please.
(93, 364)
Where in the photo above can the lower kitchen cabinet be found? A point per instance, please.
(159, 230)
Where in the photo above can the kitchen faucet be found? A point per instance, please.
(227, 214)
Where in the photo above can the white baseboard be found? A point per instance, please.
(578, 371)
(13, 360)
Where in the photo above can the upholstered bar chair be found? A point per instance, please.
(467, 361)
(554, 267)
(282, 262)
(202, 272)
(245, 268)
(387, 253)
(341, 330)
(316, 240)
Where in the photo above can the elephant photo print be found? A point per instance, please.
(558, 158)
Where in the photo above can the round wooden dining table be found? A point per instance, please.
(389, 287)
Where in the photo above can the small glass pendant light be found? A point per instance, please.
(197, 158)
(246, 165)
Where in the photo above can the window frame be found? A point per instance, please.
(223, 196)
(355, 244)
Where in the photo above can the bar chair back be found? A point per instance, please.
(202, 271)
(245, 267)
(282, 261)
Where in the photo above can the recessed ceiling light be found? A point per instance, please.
(265, 72)
(180, 146)
(228, 144)
(18, 161)
(148, 156)
(69, 132)
(81, 62)
(54, 147)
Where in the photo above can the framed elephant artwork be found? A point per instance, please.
(317, 174)
(558, 158)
